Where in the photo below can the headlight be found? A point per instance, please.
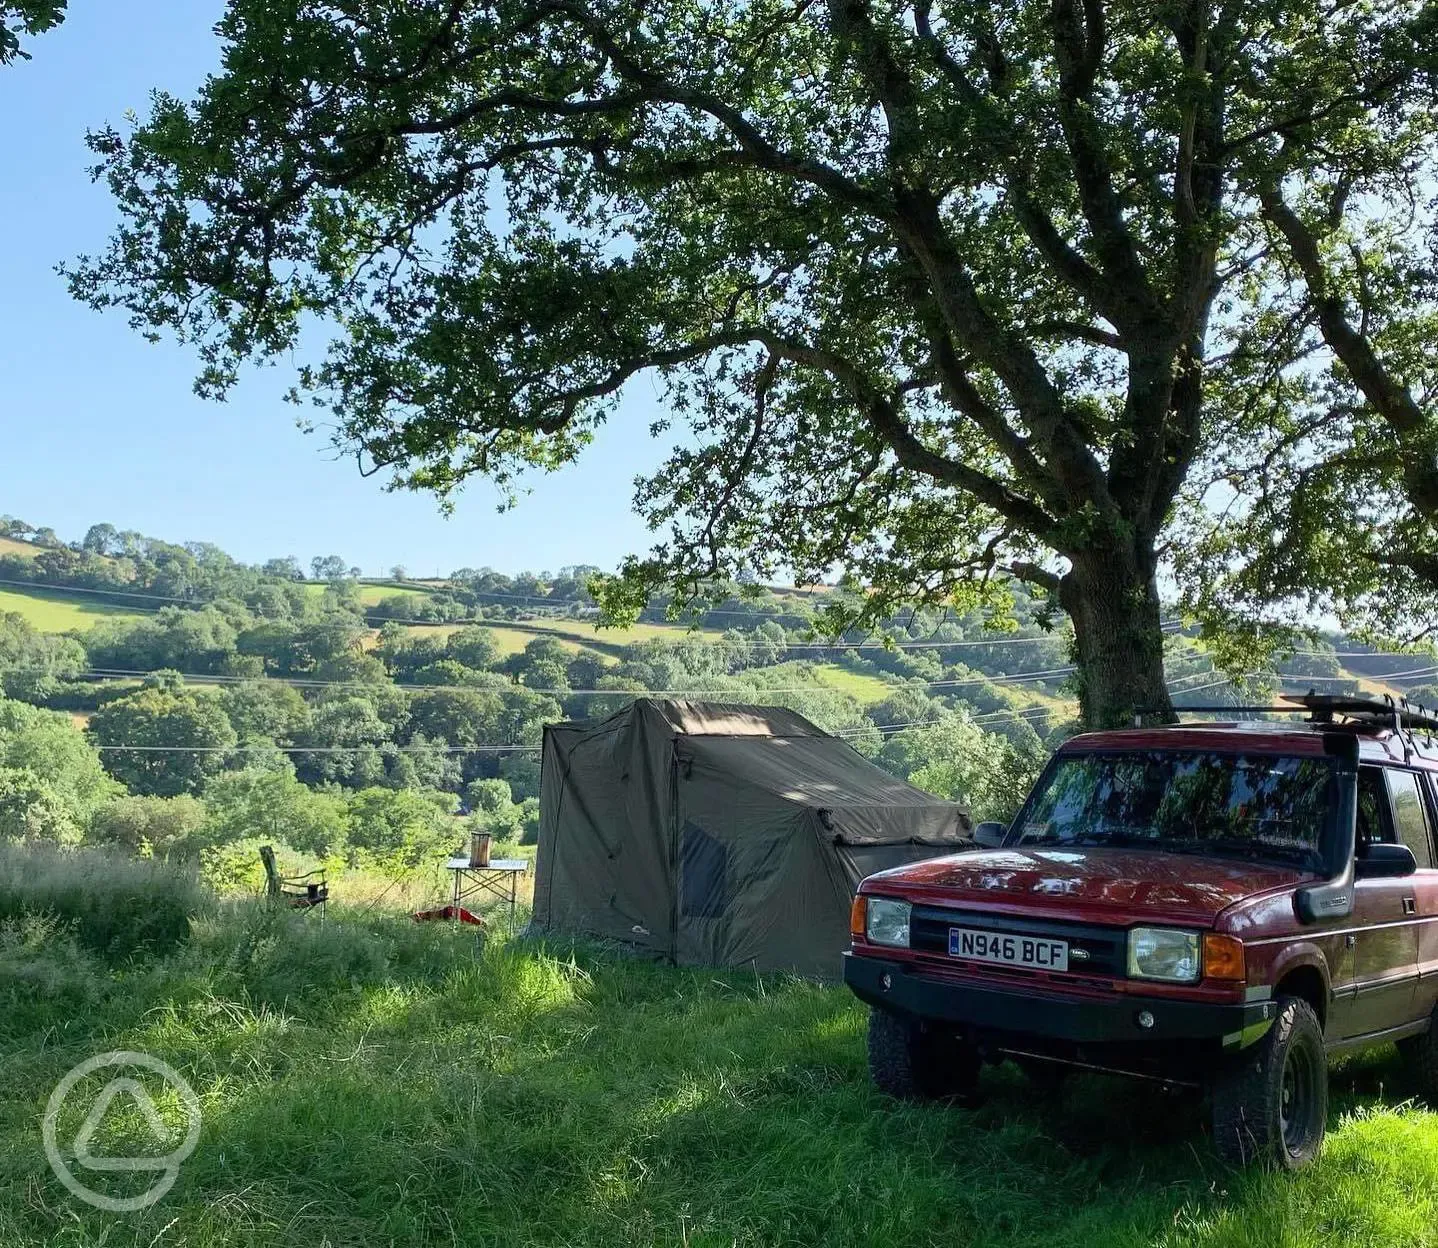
(886, 922)
(1164, 953)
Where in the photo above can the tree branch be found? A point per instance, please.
(1387, 394)
(1078, 54)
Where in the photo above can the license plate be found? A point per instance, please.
(1034, 952)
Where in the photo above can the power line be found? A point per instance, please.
(370, 616)
(1415, 671)
(850, 732)
(1170, 627)
(111, 593)
(319, 749)
(300, 682)
(988, 717)
(1041, 675)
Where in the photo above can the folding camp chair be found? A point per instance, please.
(299, 891)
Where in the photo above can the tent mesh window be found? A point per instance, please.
(703, 873)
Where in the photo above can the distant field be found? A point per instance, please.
(865, 689)
(52, 612)
(625, 636)
(370, 595)
(1021, 696)
(518, 634)
(9, 546)
(509, 640)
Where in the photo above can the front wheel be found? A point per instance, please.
(914, 1060)
(1270, 1106)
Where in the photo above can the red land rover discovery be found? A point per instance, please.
(1219, 904)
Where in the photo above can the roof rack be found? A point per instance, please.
(1356, 711)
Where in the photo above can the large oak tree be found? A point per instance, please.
(938, 289)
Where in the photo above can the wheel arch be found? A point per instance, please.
(1305, 976)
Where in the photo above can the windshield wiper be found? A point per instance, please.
(1090, 840)
(1260, 849)
(1235, 846)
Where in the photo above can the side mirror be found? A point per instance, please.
(1380, 860)
(991, 835)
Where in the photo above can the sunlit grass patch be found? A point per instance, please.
(370, 1080)
(55, 611)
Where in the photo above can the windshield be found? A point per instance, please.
(1268, 805)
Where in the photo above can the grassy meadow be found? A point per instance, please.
(508, 641)
(865, 689)
(372, 1081)
(576, 636)
(26, 550)
(371, 594)
(59, 612)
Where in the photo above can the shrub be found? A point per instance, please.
(56, 756)
(274, 805)
(236, 867)
(30, 809)
(404, 827)
(166, 827)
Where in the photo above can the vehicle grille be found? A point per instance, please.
(929, 933)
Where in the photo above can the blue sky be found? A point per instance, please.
(96, 424)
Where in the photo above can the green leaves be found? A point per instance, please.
(26, 17)
(172, 741)
(931, 293)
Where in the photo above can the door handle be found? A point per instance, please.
(1410, 906)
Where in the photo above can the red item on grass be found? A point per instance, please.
(449, 912)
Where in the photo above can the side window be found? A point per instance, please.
(1409, 814)
(703, 873)
(1374, 823)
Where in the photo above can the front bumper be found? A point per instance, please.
(903, 988)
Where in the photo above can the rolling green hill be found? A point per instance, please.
(575, 635)
(55, 611)
(864, 689)
(510, 639)
(26, 550)
(371, 594)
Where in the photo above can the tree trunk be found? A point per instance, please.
(1111, 595)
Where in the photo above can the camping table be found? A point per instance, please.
(499, 879)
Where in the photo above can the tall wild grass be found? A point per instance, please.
(375, 1081)
(116, 905)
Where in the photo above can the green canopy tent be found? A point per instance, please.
(721, 835)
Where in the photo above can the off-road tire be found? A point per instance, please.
(1270, 1103)
(1420, 1057)
(917, 1061)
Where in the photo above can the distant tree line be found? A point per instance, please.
(266, 704)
